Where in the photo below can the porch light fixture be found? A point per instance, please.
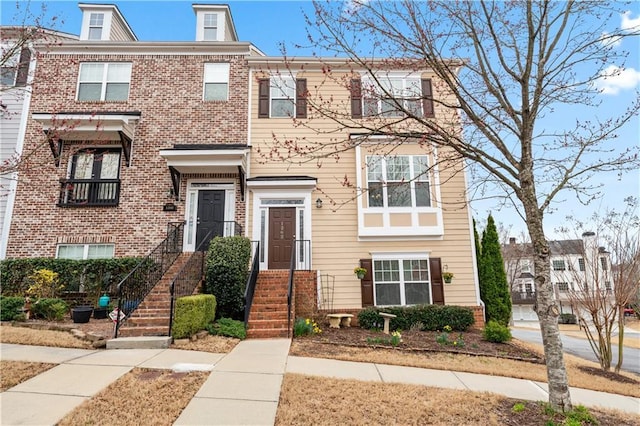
(319, 203)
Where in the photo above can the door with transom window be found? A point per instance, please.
(282, 225)
(210, 220)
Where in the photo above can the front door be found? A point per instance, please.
(210, 216)
(282, 225)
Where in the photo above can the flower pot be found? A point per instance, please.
(360, 275)
(100, 313)
(447, 280)
(81, 314)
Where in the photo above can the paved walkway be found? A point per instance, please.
(243, 387)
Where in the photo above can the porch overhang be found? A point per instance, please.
(220, 158)
(82, 126)
(299, 182)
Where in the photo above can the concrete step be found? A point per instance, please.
(146, 342)
(150, 331)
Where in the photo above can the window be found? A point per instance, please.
(528, 287)
(282, 96)
(104, 81)
(96, 21)
(401, 282)
(391, 97)
(216, 82)
(15, 69)
(94, 179)
(563, 286)
(399, 181)
(581, 264)
(603, 263)
(210, 26)
(558, 265)
(525, 266)
(85, 251)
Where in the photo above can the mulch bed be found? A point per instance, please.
(611, 375)
(417, 341)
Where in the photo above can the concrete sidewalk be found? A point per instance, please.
(243, 387)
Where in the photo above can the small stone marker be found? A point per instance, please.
(386, 317)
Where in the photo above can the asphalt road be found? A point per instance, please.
(581, 348)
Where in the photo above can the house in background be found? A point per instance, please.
(145, 142)
(19, 61)
(577, 265)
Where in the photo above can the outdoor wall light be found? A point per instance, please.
(319, 203)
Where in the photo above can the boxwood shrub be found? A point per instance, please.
(50, 309)
(10, 307)
(228, 327)
(496, 332)
(226, 275)
(429, 317)
(193, 313)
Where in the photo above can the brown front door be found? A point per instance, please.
(282, 225)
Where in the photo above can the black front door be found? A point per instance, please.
(210, 216)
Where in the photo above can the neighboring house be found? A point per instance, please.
(18, 65)
(141, 135)
(576, 266)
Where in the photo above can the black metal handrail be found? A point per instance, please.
(292, 268)
(89, 192)
(145, 275)
(251, 284)
(187, 279)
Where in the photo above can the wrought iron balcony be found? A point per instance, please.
(523, 297)
(89, 192)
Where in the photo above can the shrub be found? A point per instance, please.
(496, 332)
(567, 319)
(226, 274)
(429, 317)
(193, 313)
(50, 309)
(10, 307)
(44, 283)
(228, 327)
(303, 327)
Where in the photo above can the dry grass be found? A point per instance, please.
(306, 400)
(153, 397)
(15, 372)
(28, 336)
(482, 365)
(214, 344)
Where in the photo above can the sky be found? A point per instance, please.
(272, 24)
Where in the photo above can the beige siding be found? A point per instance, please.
(119, 30)
(335, 244)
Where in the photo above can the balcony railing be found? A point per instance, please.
(89, 192)
(523, 297)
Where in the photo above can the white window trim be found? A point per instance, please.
(221, 23)
(191, 206)
(369, 82)
(104, 82)
(11, 63)
(385, 187)
(284, 80)
(387, 232)
(106, 24)
(204, 85)
(400, 257)
(85, 252)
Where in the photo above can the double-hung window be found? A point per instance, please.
(96, 23)
(15, 68)
(398, 181)
(401, 282)
(104, 81)
(85, 251)
(94, 179)
(525, 266)
(558, 265)
(210, 26)
(216, 81)
(282, 97)
(390, 96)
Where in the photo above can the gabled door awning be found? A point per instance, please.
(210, 158)
(83, 126)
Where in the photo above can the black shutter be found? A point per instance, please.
(356, 98)
(366, 284)
(427, 98)
(301, 98)
(437, 288)
(263, 98)
(23, 67)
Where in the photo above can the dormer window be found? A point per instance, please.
(96, 22)
(211, 26)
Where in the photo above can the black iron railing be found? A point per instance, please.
(89, 192)
(140, 281)
(189, 276)
(251, 283)
(292, 269)
(523, 297)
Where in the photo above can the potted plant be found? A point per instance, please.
(360, 272)
(102, 310)
(81, 314)
(447, 277)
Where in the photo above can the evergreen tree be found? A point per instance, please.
(494, 289)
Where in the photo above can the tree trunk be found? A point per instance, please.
(620, 338)
(547, 309)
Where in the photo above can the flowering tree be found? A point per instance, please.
(525, 59)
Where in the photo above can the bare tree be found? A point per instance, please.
(525, 60)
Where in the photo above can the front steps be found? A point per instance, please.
(268, 316)
(151, 318)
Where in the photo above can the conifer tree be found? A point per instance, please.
(494, 289)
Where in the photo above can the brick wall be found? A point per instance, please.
(306, 295)
(167, 90)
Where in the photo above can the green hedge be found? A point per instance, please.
(226, 274)
(427, 317)
(10, 307)
(97, 275)
(50, 309)
(193, 313)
